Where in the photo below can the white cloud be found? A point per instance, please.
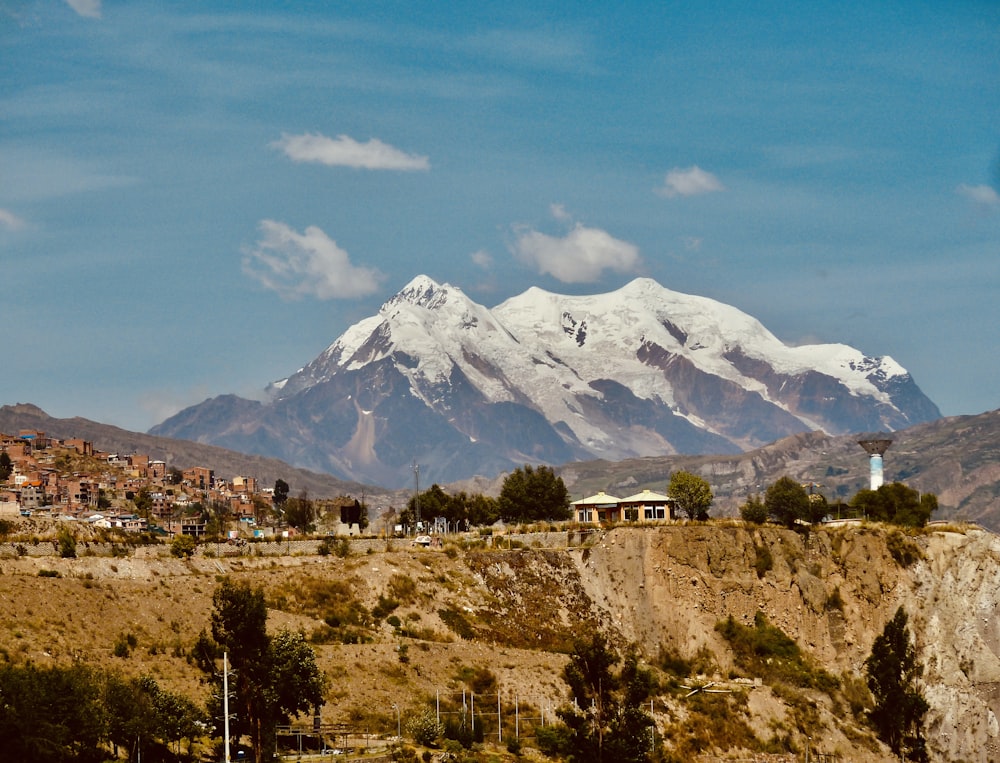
(559, 212)
(308, 264)
(344, 151)
(10, 221)
(982, 195)
(690, 182)
(90, 9)
(581, 256)
(482, 258)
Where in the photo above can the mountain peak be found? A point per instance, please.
(542, 377)
(422, 291)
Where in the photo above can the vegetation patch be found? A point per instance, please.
(903, 550)
(767, 651)
(538, 601)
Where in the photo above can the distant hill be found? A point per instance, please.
(183, 453)
(957, 458)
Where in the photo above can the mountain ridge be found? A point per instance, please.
(437, 379)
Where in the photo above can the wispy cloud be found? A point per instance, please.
(344, 151)
(560, 213)
(692, 181)
(482, 259)
(983, 196)
(308, 264)
(10, 221)
(90, 9)
(581, 256)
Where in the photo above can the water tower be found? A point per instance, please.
(875, 446)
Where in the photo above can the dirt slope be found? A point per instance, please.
(515, 613)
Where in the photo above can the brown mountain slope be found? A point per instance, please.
(179, 453)
(498, 617)
(957, 458)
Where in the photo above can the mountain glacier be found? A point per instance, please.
(437, 379)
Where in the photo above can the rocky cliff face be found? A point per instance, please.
(832, 593)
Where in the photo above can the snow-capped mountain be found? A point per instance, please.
(437, 379)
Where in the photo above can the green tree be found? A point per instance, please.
(754, 510)
(892, 671)
(896, 503)
(433, 502)
(606, 720)
(280, 492)
(300, 512)
(819, 507)
(532, 494)
(482, 510)
(67, 543)
(6, 466)
(692, 493)
(424, 728)
(273, 678)
(182, 546)
(787, 501)
(51, 714)
(143, 502)
(144, 718)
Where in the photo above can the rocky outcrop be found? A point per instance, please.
(832, 591)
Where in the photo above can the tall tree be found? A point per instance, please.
(892, 671)
(692, 493)
(754, 510)
(787, 501)
(300, 512)
(50, 714)
(606, 720)
(273, 678)
(280, 492)
(6, 466)
(532, 494)
(896, 503)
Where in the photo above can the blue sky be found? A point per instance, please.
(197, 198)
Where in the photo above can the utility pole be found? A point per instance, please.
(225, 702)
(416, 495)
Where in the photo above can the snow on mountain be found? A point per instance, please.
(642, 370)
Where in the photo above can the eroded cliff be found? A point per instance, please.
(832, 590)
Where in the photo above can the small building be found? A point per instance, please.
(597, 508)
(648, 506)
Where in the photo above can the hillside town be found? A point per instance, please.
(70, 479)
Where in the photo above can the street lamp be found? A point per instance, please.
(399, 729)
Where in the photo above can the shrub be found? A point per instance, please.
(904, 551)
(834, 601)
(754, 510)
(49, 574)
(424, 728)
(67, 543)
(124, 644)
(384, 607)
(478, 678)
(767, 651)
(402, 588)
(763, 561)
(182, 546)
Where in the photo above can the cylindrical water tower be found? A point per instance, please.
(875, 446)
